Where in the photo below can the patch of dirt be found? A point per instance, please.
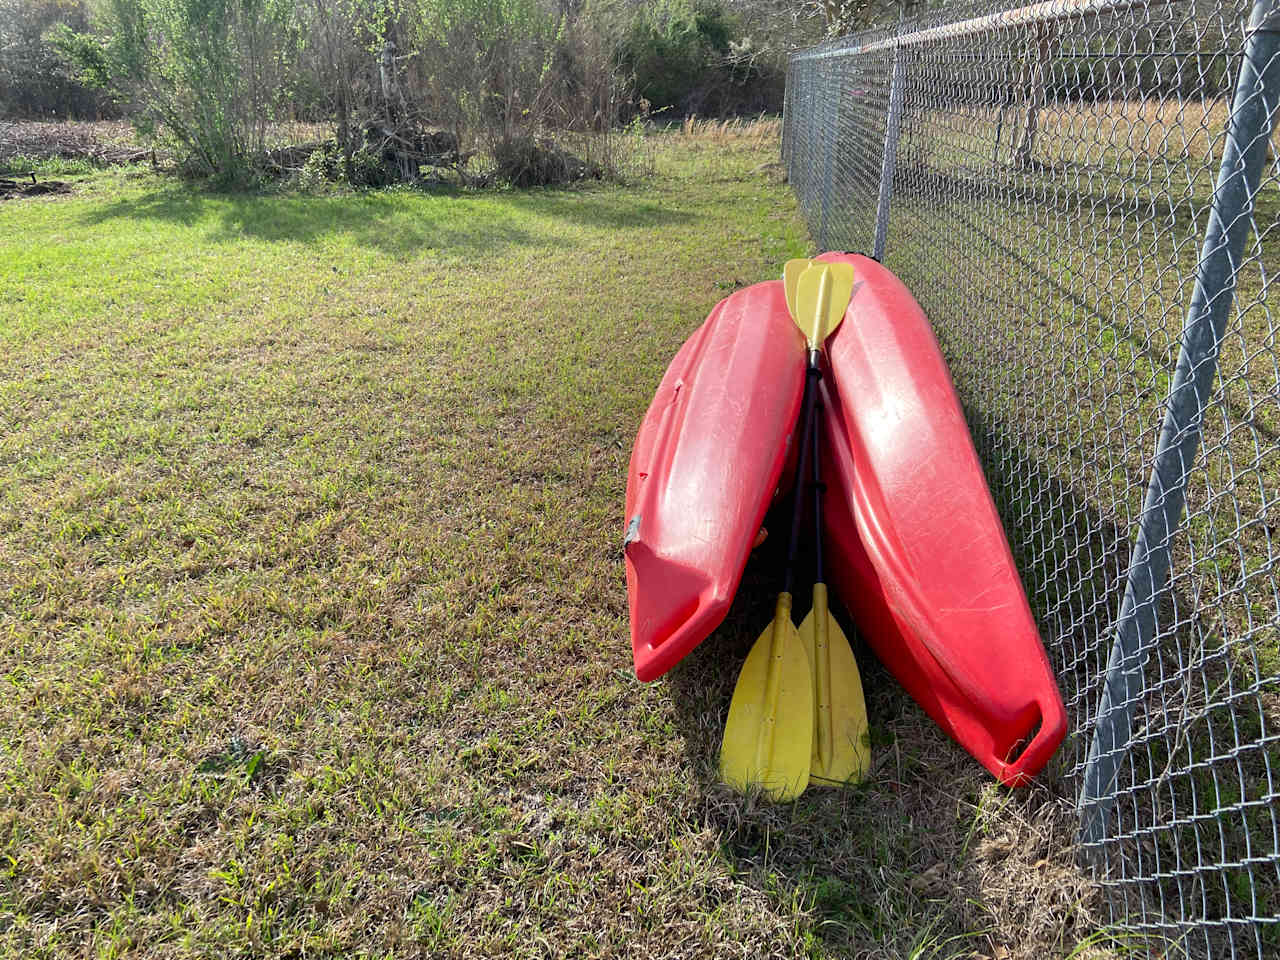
(18, 189)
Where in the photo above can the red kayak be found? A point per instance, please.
(705, 466)
(915, 547)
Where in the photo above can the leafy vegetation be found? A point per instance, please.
(205, 74)
(206, 79)
(692, 57)
(35, 81)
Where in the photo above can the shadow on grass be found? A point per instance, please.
(929, 854)
(398, 223)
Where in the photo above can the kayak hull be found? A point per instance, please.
(916, 549)
(705, 466)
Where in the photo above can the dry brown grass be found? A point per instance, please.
(1166, 131)
(763, 131)
(66, 139)
(114, 141)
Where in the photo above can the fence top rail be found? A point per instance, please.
(1047, 11)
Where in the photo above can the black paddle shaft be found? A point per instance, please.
(819, 488)
(812, 375)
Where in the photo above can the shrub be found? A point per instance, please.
(527, 161)
(35, 80)
(675, 50)
(694, 56)
(204, 75)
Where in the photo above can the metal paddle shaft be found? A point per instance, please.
(821, 659)
(768, 737)
(766, 744)
(819, 488)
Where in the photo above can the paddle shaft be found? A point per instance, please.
(823, 732)
(797, 503)
(818, 486)
(764, 749)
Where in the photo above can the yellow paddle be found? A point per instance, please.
(822, 292)
(840, 750)
(791, 282)
(769, 736)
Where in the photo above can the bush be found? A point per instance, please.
(35, 80)
(526, 161)
(675, 52)
(692, 56)
(204, 75)
(507, 77)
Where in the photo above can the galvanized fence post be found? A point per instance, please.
(798, 169)
(815, 143)
(1257, 97)
(831, 99)
(889, 161)
(787, 91)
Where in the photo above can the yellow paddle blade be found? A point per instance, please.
(841, 753)
(822, 296)
(768, 739)
(791, 280)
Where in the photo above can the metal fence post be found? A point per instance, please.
(797, 172)
(787, 112)
(1257, 96)
(812, 188)
(892, 126)
(832, 99)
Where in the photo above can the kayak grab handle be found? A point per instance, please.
(1052, 728)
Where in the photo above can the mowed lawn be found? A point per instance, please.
(313, 626)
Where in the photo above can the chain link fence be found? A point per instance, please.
(1084, 197)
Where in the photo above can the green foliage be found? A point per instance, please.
(327, 164)
(674, 47)
(204, 75)
(84, 51)
(689, 55)
(35, 79)
(320, 168)
(22, 164)
(486, 61)
(207, 78)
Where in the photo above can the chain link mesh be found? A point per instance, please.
(1042, 178)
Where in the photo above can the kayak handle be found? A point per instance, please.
(1053, 726)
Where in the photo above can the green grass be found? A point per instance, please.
(312, 604)
(21, 165)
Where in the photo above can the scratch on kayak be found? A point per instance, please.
(993, 588)
(988, 609)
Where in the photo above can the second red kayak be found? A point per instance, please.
(916, 549)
